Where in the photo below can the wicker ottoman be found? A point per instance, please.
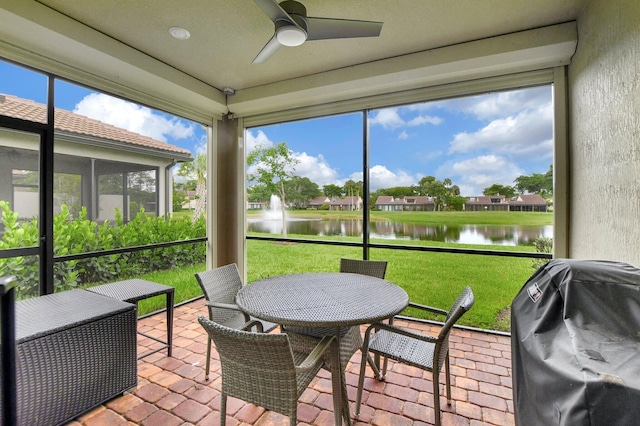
(74, 350)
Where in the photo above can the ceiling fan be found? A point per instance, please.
(293, 27)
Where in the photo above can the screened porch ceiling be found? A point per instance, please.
(116, 43)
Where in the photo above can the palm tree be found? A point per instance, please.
(197, 170)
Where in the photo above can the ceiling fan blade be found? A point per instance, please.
(326, 28)
(272, 9)
(267, 51)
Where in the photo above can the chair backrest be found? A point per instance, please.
(463, 303)
(220, 285)
(374, 268)
(256, 367)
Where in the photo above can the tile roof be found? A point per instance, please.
(346, 201)
(67, 121)
(529, 199)
(407, 200)
(319, 201)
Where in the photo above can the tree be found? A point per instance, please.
(301, 190)
(272, 166)
(196, 171)
(258, 193)
(352, 188)
(536, 183)
(67, 190)
(179, 198)
(444, 193)
(435, 189)
(497, 189)
(332, 190)
(456, 202)
(399, 191)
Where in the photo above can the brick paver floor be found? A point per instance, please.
(173, 391)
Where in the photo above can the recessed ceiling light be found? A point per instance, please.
(179, 33)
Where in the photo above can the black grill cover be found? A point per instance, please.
(575, 343)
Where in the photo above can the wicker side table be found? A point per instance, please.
(135, 290)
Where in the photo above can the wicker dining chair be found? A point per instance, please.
(407, 346)
(350, 338)
(262, 368)
(220, 287)
(373, 268)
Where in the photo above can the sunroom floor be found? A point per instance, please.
(173, 391)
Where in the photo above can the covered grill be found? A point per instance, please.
(575, 338)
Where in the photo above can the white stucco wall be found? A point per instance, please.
(604, 111)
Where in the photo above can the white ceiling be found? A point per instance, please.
(227, 34)
(123, 47)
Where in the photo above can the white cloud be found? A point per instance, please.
(132, 117)
(387, 118)
(403, 135)
(528, 133)
(252, 141)
(473, 175)
(424, 119)
(317, 169)
(381, 177)
(390, 118)
(502, 104)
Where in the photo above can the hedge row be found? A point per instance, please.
(81, 235)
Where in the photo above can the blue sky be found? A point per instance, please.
(26, 84)
(475, 141)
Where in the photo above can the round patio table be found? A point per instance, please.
(325, 299)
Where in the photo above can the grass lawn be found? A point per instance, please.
(433, 279)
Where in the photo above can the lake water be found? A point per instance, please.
(506, 235)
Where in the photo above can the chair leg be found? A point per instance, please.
(346, 412)
(223, 409)
(363, 366)
(436, 395)
(208, 363)
(384, 368)
(293, 417)
(447, 378)
(375, 366)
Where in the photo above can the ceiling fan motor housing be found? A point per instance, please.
(294, 8)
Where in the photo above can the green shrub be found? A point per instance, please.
(542, 245)
(81, 235)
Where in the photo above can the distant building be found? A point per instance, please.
(318, 202)
(487, 203)
(256, 205)
(521, 203)
(528, 203)
(100, 165)
(347, 203)
(408, 203)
